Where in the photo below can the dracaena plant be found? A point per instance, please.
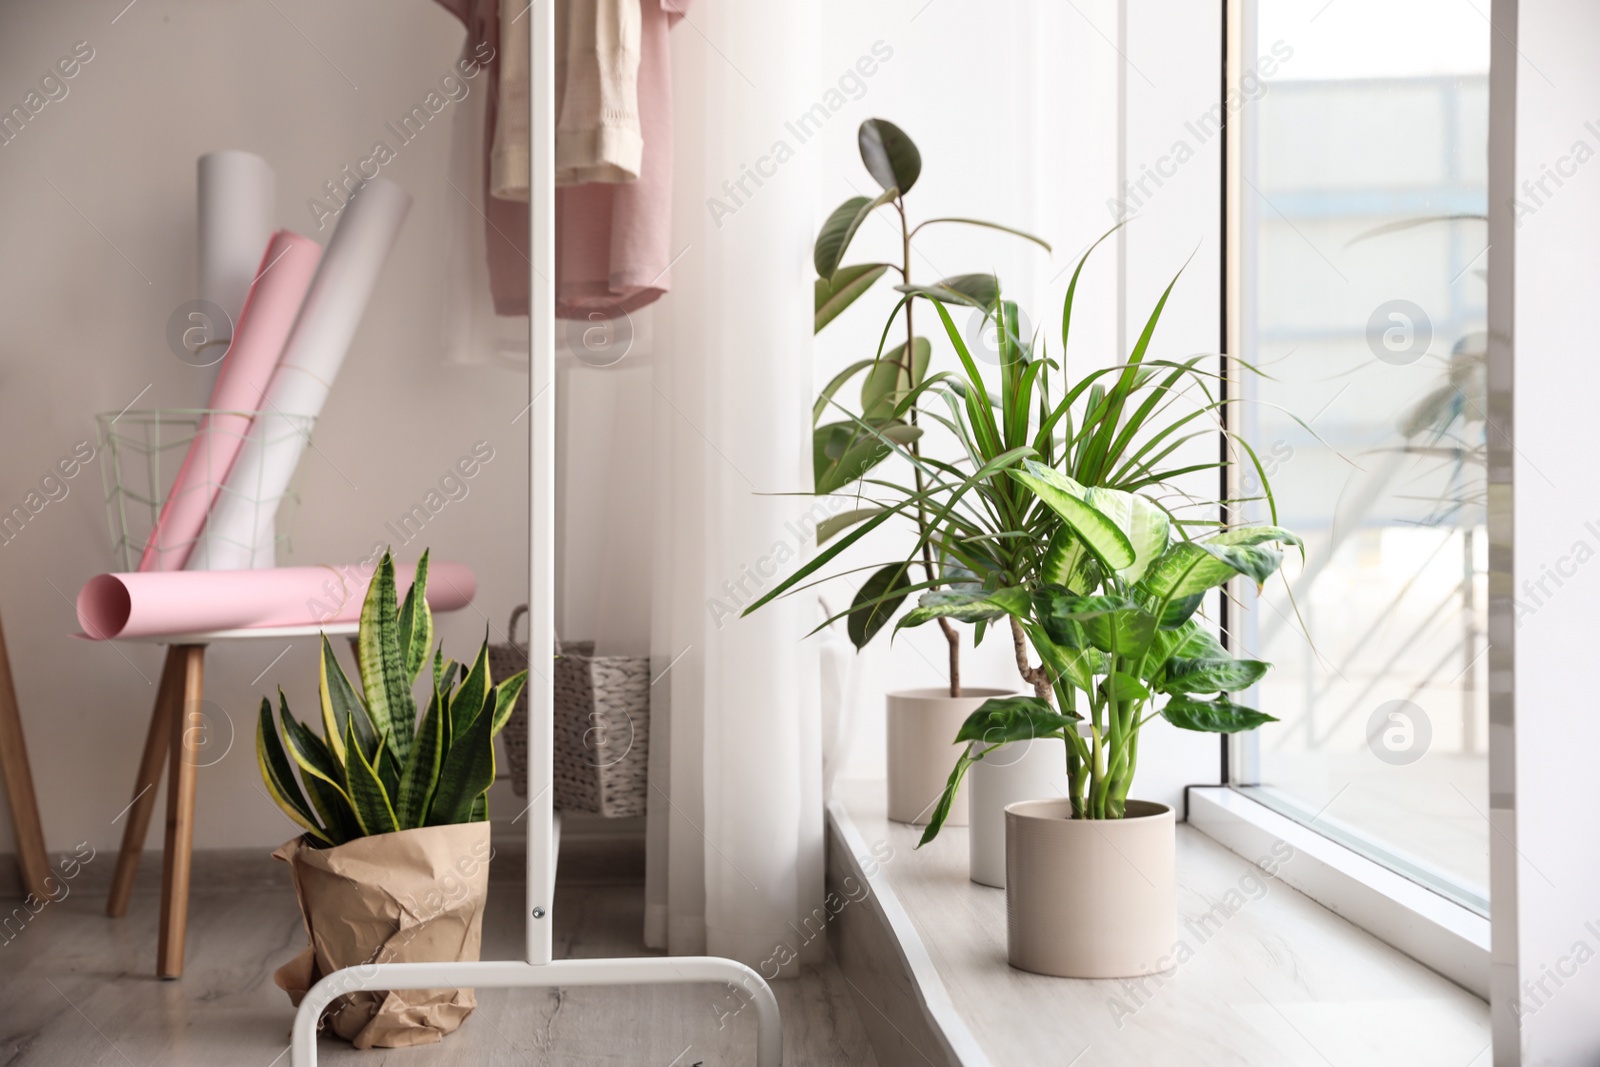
(1067, 516)
(376, 768)
(844, 450)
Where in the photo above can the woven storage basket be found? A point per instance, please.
(602, 726)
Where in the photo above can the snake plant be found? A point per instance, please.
(376, 769)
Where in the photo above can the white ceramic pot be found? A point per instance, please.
(1021, 770)
(1089, 898)
(923, 724)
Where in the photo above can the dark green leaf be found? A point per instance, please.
(833, 524)
(974, 290)
(1212, 675)
(999, 720)
(841, 227)
(1219, 716)
(1110, 623)
(833, 295)
(889, 155)
(1120, 687)
(886, 383)
(880, 597)
(1025, 235)
(467, 771)
(941, 810)
(278, 775)
(844, 451)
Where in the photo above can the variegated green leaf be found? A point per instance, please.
(468, 701)
(1146, 526)
(373, 808)
(965, 606)
(467, 771)
(390, 705)
(505, 698)
(340, 705)
(278, 776)
(1109, 545)
(416, 622)
(421, 774)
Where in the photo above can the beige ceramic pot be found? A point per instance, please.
(1021, 770)
(1089, 898)
(923, 724)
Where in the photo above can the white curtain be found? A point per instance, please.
(735, 824)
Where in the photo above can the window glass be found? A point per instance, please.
(1363, 266)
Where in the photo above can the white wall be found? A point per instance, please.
(1544, 731)
(85, 291)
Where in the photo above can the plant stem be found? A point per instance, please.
(1037, 677)
(909, 364)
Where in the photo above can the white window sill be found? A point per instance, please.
(1269, 976)
(1439, 933)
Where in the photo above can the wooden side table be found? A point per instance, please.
(31, 855)
(171, 743)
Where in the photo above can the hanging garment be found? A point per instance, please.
(505, 221)
(614, 241)
(598, 136)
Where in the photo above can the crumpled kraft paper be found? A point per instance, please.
(412, 896)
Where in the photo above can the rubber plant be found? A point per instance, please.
(843, 451)
(377, 768)
(1068, 515)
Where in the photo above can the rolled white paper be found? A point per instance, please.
(237, 193)
(155, 604)
(260, 475)
(283, 278)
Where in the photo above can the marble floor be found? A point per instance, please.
(76, 988)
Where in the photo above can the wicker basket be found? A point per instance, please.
(602, 726)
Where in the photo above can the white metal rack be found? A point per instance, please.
(540, 970)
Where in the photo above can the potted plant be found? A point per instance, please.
(846, 449)
(393, 864)
(1059, 510)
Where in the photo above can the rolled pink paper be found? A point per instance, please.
(270, 308)
(157, 604)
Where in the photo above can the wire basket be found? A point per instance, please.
(142, 452)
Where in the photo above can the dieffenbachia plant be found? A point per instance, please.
(1067, 518)
(1111, 613)
(845, 450)
(376, 769)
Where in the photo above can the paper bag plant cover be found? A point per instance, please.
(412, 896)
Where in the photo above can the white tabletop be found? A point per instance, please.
(334, 629)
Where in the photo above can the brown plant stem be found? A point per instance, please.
(1037, 677)
(908, 362)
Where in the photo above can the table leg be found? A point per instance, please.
(180, 812)
(31, 855)
(157, 743)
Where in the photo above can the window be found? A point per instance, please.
(1357, 201)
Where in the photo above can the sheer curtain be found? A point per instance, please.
(735, 822)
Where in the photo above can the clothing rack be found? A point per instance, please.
(539, 970)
